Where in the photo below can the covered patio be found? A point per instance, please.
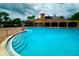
(57, 23)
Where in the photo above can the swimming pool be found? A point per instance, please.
(43, 41)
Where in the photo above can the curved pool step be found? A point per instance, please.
(22, 42)
(18, 41)
(19, 44)
(22, 46)
(17, 37)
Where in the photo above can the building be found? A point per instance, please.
(55, 22)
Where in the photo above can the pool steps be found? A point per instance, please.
(18, 40)
(19, 45)
(17, 37)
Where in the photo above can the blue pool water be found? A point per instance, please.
(43, 41)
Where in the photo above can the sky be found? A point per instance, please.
(22, 10)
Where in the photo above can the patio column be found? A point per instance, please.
(43, 23)
(66, 24)
(58, 24)
(33, 23)
(38, 25)
(77, 24)
(50, 24)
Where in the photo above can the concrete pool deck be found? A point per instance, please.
(4, 33)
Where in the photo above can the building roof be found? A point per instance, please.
(55, 20)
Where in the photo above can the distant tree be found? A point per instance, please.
(0, 17)
(74, 16)
(48, 17)
(17, 21)
(31, 17)
(62, 17)
(10, 21)
(4, 16)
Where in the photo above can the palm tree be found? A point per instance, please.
(4, 18)
(32, 17)
(0, 16)
(29, 17)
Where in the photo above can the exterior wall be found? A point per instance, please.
(42, 16)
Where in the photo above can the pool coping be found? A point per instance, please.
(10, 51)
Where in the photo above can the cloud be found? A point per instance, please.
(22, 10)
(58, 9)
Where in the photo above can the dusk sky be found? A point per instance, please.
(22, 10)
